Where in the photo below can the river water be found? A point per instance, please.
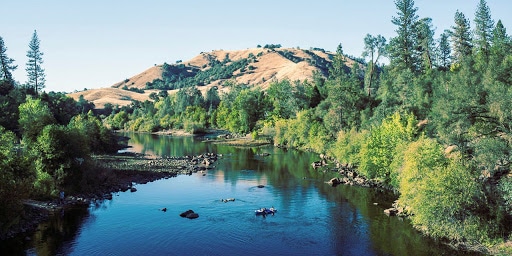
(312, 217)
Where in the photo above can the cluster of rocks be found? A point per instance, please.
(350, 177)
(133, 169)
(397, 210)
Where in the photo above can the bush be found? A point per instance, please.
(382, 147)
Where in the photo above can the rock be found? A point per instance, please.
(133, 189)
(334, 182)
(192, 215)
(391, 211)
(316, 164)
(185, 213)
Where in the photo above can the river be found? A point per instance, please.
(312, 217)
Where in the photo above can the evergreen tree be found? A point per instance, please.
(6, 64)
(501, 43)
(484, 26)
(461, 37)
(444, 51)
(374, 48)
(426, 45)
(35, 72)
(338, 64)
(402, 47)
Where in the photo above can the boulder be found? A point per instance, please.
(391, 211)
(192, 215)
(186, 213)
(334, 182)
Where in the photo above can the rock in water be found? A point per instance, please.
(192, 215)
(184, 214)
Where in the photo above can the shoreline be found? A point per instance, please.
(127, 170)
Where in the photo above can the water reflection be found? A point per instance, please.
(313, 218)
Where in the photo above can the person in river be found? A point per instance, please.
(61, 197)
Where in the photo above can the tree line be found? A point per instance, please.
(434, 124)
(46, 139)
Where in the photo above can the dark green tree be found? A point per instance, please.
(338, 68)
(461, 38)
(426, 43)
(35, 72)
(402, 47)
(444, 51)
(212, 99)
(6, 65)
(484, 26)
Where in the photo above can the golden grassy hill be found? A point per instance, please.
(268, 65)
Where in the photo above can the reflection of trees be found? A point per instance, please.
(353, 217)
(60, 229)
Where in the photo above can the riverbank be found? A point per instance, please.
(120, 173)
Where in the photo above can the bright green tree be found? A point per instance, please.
(34, 116)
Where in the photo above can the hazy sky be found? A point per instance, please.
(92, 44)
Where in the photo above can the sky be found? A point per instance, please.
(96, 43)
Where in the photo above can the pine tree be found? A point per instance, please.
(35, 72)
(402, 47)
(484, 26)
(426, 45)
(501, 43)
(444, 51)
(6, 64)
(461, 37)
(338, 68)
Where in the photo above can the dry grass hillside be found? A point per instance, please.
(268, 65)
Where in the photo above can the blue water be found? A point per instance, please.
(313, 218)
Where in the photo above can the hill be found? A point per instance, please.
(255, 66)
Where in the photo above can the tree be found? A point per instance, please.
(374, 47)
(402, 47)
(6, 64)
(34, 116)
(461, 37)
(444, 51)
(501, 44)
(35, 72)
(426, 45)
(338, 68)
(484, 26)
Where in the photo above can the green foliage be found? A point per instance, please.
(35, 73)
(382, 147)
(34, 115)
(54, 155)
(348, 145)
(6, 66)
(505, 190)
(402, 47)
(444, 202)
(15, 179)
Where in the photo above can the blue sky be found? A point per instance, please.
(93, 44)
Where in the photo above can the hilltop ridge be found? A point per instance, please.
(254, 66)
